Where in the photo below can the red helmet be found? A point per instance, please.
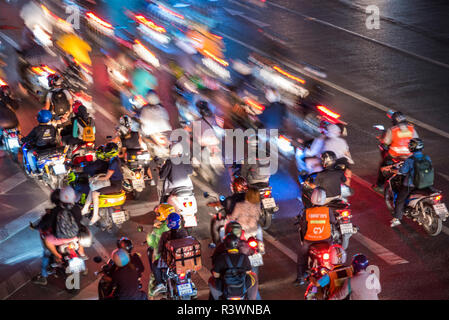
(239, 185)
(76, 105)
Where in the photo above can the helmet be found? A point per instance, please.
(125, 124)
(44, 116)
(231, 241)
(120, 257)
(110, 150)
(176, 149)
(272, 95)
(125, 243)
(174, 221)
(54, 80)
(337, 254)
(415, 144)
(318, 196)
(398, 117)
(333, 131)
(76, 105)
(152, 98)
(328, 159)
(203, 108)
(54, 197)
(239, 185)
(67, 195)
(233, 227)
(163, 211)
(99, 153)
(359, 262)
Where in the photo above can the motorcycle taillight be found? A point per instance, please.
(267, 194)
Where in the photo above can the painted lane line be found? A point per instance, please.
(383, 253)
(17, 225)
(103, 111)
(18, 280)
(412, 54)
(276, 243)
(10, 41)
(339, 88)
(22, 257)
(12, 182)
(444, 176)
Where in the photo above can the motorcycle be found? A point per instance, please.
(134, 172)
(184, 201)
(218, 220)
(50, 165)
(423, 206)
(10, 131)
(179, 286)
(82, 153)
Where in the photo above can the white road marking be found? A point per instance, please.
(284, 249)
(12, 182)
(10, 41)
(21, 257)
(417, 56)
(258, 23)
(104, 112)
(383, 253)
(341, 89)
(444, 176)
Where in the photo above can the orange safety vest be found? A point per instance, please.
(400, 140)
(318, 224)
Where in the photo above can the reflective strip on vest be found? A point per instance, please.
(400, 140)
(318, 224)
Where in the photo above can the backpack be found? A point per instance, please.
(423, 173)
(59, 102)
(66, 226)
(87, 133)
(234, 278)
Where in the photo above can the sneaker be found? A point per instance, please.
(39, 279)
(395, 222)
(377, 189)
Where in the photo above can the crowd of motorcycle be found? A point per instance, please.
(95, 181)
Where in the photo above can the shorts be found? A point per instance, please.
(115, 187)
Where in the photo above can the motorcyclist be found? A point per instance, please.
(42, 137)
(256, 167)
(415, 146)
(125, 278)
(239, 187)
(7, 99)
(113, 174)
(73, 134)
(330, 179)
(363, 285)
(126, 244)
(174, 174)
(274, 114)
(58, 100)
(316, 227)
(56, 229)
(335, 143)
(235, 228)
(130, 139)
(228, 262)
(396, 140)
(336, 274)
(162, 211)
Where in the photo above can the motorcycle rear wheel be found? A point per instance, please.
(266, 219)
(389, 198)
(434, 228)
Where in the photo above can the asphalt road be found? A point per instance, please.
(363, 76)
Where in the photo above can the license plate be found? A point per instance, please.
(256, 260)
(138, 183)
(119, 217)
(59, 169)
(77, 265)
(184, 289)
(440, 209)
(346, 228)
(268, 203)
(190, 221)
(13, 143)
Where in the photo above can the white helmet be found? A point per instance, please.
(67, 195)
(333, 131)
(152, 98)
(318, 196)
(337, 254)
(272, 95)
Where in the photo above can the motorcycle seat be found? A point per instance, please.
(260, 185)
(112, 194)
(424, 192)
(182, 191)
(318, 247)
(47, 153)
(337, 204)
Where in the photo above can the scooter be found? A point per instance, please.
(184, 201)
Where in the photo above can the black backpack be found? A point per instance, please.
(234, 279)
(423, 173)
(59, 102)
(66, 226)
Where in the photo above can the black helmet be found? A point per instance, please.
(125, 243)
(359, 263)
(415, 144)
(328, 159)
(233, 227)
(398, 117)
(239, 185)
(54, 197)
(203, 108)
(231, 241)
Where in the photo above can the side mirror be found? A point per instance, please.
(379, 127)
(206, 195)
(98, 259)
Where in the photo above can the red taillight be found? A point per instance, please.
(150, 24)
(182, 276)
(215, 58)
(103, 23)
(326, 256)
(438, 198)
(345, 213)
(90, 144)
(253, 244)
(3, 83)
(187, 204)
(267, 194)
(288, 75)
(254, 104)
(328, 112)
(138, 175)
